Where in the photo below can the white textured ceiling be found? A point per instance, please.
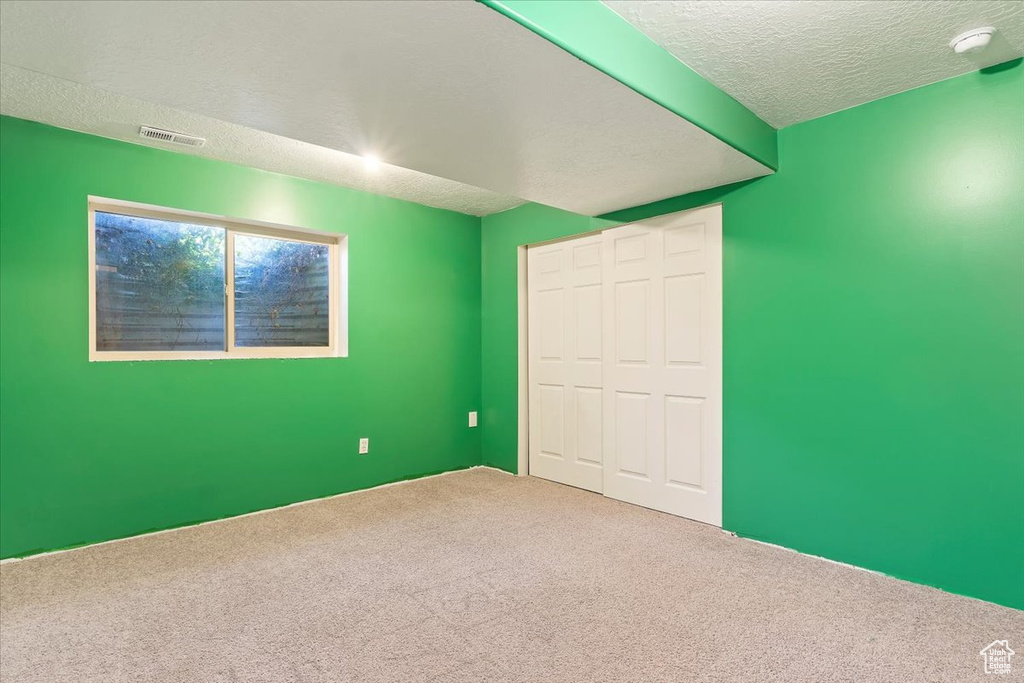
(65, 104)
(793, 61)
(450, 89)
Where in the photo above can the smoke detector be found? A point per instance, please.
(974, 40)
(171, 136)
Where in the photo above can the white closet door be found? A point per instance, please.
(662, 302)
(565, 364)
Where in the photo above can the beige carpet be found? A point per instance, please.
(476, 576)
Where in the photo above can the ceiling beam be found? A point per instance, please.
(595, 34)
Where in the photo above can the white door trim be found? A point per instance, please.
(524, 365)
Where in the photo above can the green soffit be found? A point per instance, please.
(594, 33)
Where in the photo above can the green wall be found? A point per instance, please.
(95, 451)
(873, 331)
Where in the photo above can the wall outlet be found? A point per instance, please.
(364, 446)
(472, 419)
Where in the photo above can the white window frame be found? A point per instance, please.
(338, 282)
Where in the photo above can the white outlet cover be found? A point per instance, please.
(472, 418)
(364, 446)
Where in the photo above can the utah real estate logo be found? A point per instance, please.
(997, 657)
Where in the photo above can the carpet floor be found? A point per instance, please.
(476, 576)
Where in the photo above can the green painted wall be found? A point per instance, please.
(94, 451)
(874, 336)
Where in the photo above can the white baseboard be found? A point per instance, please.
(244, 514)
(816, 557)
(863, 569)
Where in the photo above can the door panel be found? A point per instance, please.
(588, 323)
(550, 314)
(662, 337)
(631, 315)
(684, 428)
(683, 302)
(632, 422)
(565, 362)
(552, 421)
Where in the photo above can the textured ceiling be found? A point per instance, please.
(793, 61)
(38, 97)
(450, 89)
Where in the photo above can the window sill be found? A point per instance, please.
(249, 354)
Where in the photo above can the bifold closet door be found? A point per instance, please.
(565, 362)
(662, 418)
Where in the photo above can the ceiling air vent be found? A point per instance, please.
(171, 136)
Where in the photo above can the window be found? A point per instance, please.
(169, 284)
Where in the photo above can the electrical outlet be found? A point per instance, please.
(364, 446)
(472, 419)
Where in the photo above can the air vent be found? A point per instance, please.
(171, 136)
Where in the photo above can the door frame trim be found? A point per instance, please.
(523, 445)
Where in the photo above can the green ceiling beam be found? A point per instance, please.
(592, 32)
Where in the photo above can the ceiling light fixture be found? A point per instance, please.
(974, 40)
(371, 162)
